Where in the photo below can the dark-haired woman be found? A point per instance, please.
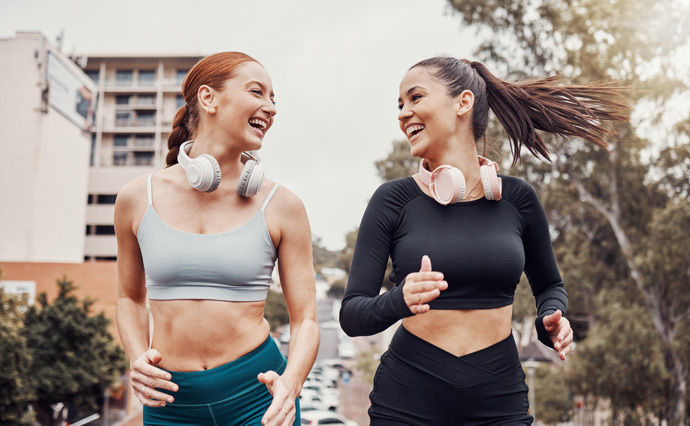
(460, 237)
(199, 240)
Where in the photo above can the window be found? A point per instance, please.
(143, 158)
(331, 421)
(105, 230)
(93, 75)
(123, 77)
(120, 158)
(120, 140)
(145, 118)
(107, 198)
(122, 99)
(147, 77)
(122, 119)
(180, 101)
(148, 100)
(143, 141)
(89, 199)
(180, 75)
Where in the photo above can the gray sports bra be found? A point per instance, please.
(234, 265)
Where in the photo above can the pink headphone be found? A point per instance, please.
(447, 183)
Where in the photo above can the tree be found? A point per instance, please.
(17, 389)
(399, 163)
(614, 214)
(337, 289)
(323, 258)
(74, 357)
(275, 310)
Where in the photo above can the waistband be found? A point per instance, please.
(228, 380)
(498, 359)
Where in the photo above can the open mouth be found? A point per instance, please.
(258, 124)
(414, 130)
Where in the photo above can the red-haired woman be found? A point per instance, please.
(453, 361)
(200, 240)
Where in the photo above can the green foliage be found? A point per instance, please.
(367, 364)
(619, 235)
(323, 258)
(552, 398)
(627, 356)
(74, 358)
(399, 163)
(337, 289)
(275, 310)
(17, 389)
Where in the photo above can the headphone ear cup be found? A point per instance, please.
(251, 178)
(447, 184)
(490, 182)
(210, 173)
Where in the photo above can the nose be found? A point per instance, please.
(404, 114)
(270, 109)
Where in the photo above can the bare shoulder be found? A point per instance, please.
(131, 200)
(287, 201)
(287, 210)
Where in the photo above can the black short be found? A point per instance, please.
(420, 384)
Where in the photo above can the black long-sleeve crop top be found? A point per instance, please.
(481, 247)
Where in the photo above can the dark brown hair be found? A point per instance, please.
(550, 104)
(213, 71)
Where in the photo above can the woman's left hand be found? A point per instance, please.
(560, 333)
(282, 411)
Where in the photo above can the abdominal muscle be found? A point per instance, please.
(196, 335)
(461, 332)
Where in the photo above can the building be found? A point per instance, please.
(138, 97)
(46, 112)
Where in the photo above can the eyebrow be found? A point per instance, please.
(410, 90)
(260, 85)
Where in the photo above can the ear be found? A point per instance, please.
(464, 102)
(206, 97)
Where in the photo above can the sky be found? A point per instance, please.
(335, 68)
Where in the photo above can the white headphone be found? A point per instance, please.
(447, 183)
(203, 172)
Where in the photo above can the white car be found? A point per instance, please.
(313, 418)
(321, 397)
(346, 350)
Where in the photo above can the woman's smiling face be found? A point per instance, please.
(428, 116)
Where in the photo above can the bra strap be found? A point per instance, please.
(148, 189)
(270, 195)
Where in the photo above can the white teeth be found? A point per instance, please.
(413, 128)
(260, 123)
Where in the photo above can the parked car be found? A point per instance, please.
(321, 397)
(313, 418)
(346, 350)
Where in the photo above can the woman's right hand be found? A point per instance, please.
(422, 287)
(145, 376)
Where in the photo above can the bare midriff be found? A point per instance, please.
(461, 332)
(197, 335)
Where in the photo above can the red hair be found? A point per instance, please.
(212, 71)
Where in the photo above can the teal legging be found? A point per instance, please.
(229, 395)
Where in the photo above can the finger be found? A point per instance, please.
(153, 356)
(553, 319)
(153, 377)
(150, 397)
(563, 329)
(268, 378)
(426, 264)
(426, 286)
(421, 298)
(276, 412)
(419, 309)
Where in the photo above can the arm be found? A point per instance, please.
(553, 329)
(364, 311)
(296, 270)
(132, 313)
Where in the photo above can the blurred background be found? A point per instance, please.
(89, 93)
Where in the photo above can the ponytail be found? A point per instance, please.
(550, 104)
(178, 136)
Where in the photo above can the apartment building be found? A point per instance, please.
(138, 97)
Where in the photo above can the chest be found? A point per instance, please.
(477, 243)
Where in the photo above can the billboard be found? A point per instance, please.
(68, 94)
